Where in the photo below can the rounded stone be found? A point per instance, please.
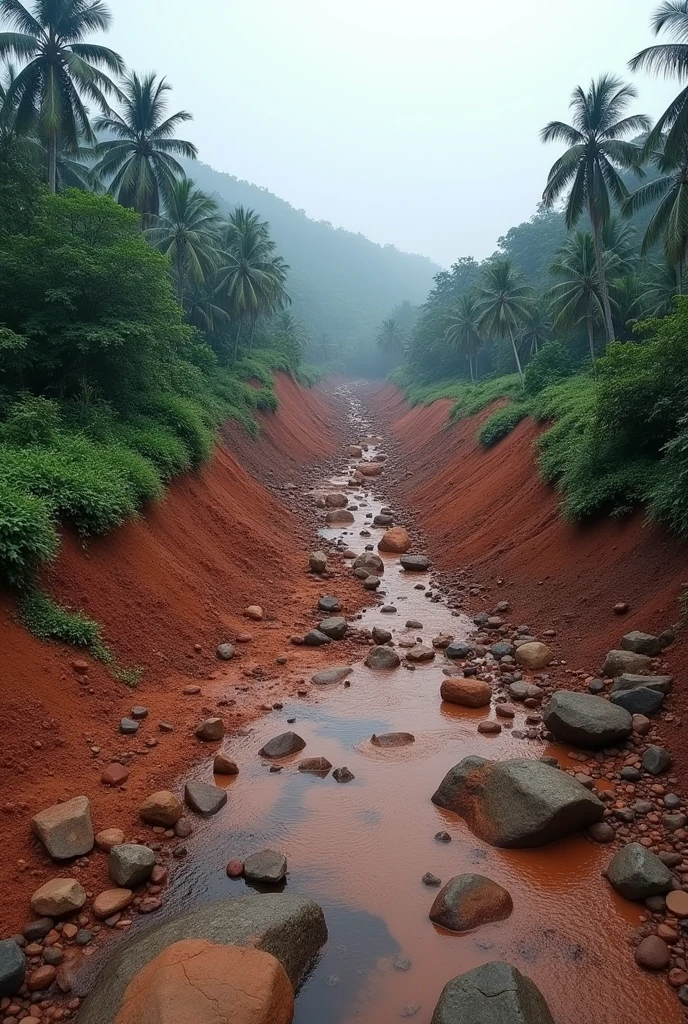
(468, 693)
(469, 900)
(652, 953)
(162, 808)
(57, 897)
(110, 902)
(677, 902)
(534, 656)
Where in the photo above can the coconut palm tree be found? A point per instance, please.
(59, 70)
(504, 298)
(620, 245)
(463, 330)
(537, 326)
(251, 278)
(671, 60)
(589, 169)
(140, 161)
(669, 192)
(661, 288)
(188, 232)
(575, 299)
(390, 338)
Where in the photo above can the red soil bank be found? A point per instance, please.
(487, 510)
(161, 586)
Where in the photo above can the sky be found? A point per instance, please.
(414, 122)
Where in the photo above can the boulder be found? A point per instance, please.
(415, 563)
(314, 638)
(524, 691)
(372, 582)
(57, 897)
(637, 873)
(12, 967)
(223, 765)
(458, 649)
(199, 982)
(355, 451)
(586, 721)
(110, 902)
(130, 865)
(204, 798)
(327, 676)
(639, 701)
(383, 520)
(502, 649)
(291, 928)
(268, 866)
(628, 681)
(66, 830)
(339, 515)
(382, 657)
(533, 656)
(283, 745)
(392, 739)
(329, 604)
(381, 635)
(420, 653)
(395, 540)
(343, 775)
(334, 627)
(225, 652)
(370, 561)
(210, 731)
(618, 662)
(517, 803)
(316, 765)
(469, 693)
(656, 760)
(336, 500)
(467, 901)
(652, 953)
(642, 643)
(162, 808)
(495, 993)
(369, 468)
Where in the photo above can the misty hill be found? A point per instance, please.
(340, 282)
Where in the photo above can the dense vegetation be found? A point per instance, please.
(579, 319)
(134, 317)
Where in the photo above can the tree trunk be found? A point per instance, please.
(602, 278)
(515, 350)
(52, 162)
(591, 340)
(236, 340)
(254, 321)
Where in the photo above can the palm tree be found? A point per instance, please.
(670, 218)
(463, 330)
(140, 161)
(390, 338)
(661, 287)
(537, 326)
(589, 169)
(58, 69)
(671, 60)
(187, 232)
(620, 245)
(251, 279)
(576, 298)
(504, 298)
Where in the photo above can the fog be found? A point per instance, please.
(415, 123)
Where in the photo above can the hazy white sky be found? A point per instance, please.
(413, 121)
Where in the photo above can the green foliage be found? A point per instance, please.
(27, 533)
(552, 363)
(50, 621)
(501, 423)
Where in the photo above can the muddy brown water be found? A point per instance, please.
(361, 849)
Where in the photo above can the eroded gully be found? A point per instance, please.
(361, 849)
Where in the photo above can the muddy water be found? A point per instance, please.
(361, 849)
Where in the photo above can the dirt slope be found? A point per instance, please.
(167, 589)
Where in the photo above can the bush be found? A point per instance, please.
(551, 364)
(501, 423)
(669, 495)
(31, 420)
(157, 443)
(27, 533)
(50, 621)
(189, 423)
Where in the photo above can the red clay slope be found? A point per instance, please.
(167, 589)
(488, 510)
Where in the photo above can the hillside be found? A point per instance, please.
(340, 282)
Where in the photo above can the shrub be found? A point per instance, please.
(50, 621)
(27, 533)
(31, 420)
(669, 495)
(501, 423)
(159, 444)
(551, 364)
(189, 423)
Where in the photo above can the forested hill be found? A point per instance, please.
(340, 282)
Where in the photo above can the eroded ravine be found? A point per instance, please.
(361, 849)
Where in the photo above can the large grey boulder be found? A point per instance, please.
(642, 643)
(415, 563)
(517, 803)
(204, 798)
(638, 873)
(629, 681)
(639, 701)
(268, 866)
(382, 658)
(469, 900)
(283, 745)
(130, 865)
(66, 830)
(586, 721)
(495, 993)
(334, 627)
(618, 662)
(12, 967)
(370, 561)
(291, 928)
